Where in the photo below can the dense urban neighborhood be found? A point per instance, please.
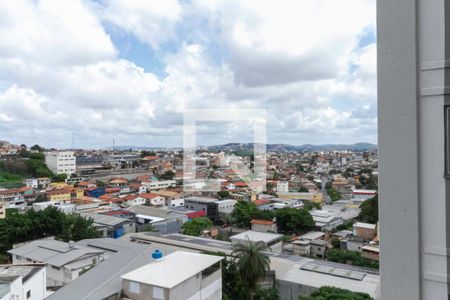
(120, 223)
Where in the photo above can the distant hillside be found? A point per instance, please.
(358, 147)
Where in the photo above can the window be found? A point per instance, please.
(29, 294)
(158, 293)
(135, 288)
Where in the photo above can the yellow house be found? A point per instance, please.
(313, 197)
(59, 195)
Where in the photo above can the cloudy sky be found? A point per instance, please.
(127, 69)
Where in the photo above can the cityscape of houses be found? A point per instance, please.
(314, 220)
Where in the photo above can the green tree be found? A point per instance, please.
(267, 294)
(303, 189)
(243, 213)
(17, 228)
(196, 226)
(147, 153)
(100, 184)
(168, 175)
(350, 257)
(334, 194)
(76, 228)
(292, 220)
(60, 177)
(233, 286)
(333, 293)
(223, 194)
(252, 263)
(37, 148)
(369, 210)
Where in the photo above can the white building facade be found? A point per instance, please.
(61, 162)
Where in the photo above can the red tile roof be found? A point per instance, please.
(149, 195)
(261, 222)
(260, 202)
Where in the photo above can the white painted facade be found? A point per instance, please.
(159, 185)
(61, 162)
(413, 90)
(174, 202)
(33, 288)
(283, 186)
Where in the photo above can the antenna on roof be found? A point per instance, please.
(73, 140)
(114, 144)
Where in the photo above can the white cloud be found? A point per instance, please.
(63, 73)
(51, 32)
(275, 42)
(151, 21)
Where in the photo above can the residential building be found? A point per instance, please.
(325, 220)
(61, 162)
(271, 240)
(110, 226)
(294, 275)
(153, 199)
(23, 282)
(209, 205)
(60, 205)
(38, 183)
(283, 187)
(314, 247)
(370, 252)
(64, 261)
(362, 195)
(157, 185)
(226, 206)
(64, 194)
(163, 219)
(264, 225)
(178, 276)
(171, 198)
(313, 197)
(413, 135)
(16, 198)
(130, 200)
(365, 231)
(104, 281)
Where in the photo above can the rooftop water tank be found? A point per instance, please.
(157, 254)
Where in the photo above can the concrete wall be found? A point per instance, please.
(37, 285)
(146, 292)
(413, 87)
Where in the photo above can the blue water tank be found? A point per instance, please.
(157, 254)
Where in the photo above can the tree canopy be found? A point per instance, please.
(369, 210)
(196, 226)
(223, 194)
(168, 175)
(16, 228)
(292, 220)
(333, 293)
(289, 220)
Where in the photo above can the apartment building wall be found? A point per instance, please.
(413, 88)
(196, 287)
(61, 162)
